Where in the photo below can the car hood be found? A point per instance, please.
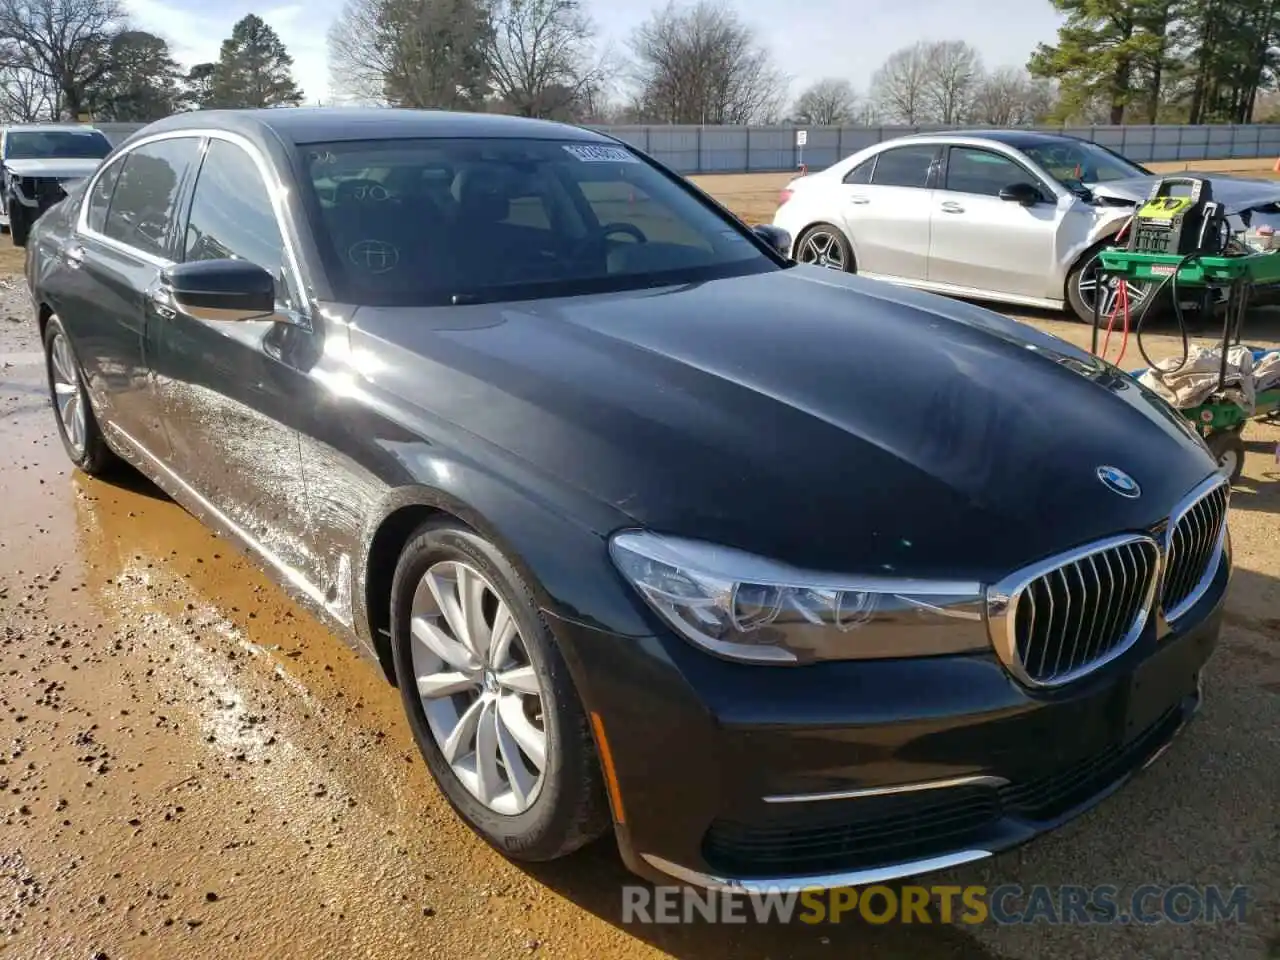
(1237, 193)
(56, 169)
(817, 418)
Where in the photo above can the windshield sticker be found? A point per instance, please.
(591, 153)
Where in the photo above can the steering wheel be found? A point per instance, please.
(592, 245)
(362, 190)
(630, 229)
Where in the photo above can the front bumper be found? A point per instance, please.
(737, 776)
(38, 194)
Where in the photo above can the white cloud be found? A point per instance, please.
(195, 31)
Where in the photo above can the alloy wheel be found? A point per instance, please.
(67, 393)
(822, 249)
(479, 690)
(1088, 284)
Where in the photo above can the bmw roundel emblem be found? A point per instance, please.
(1117, 481)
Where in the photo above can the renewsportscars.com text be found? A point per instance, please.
(1005, 904)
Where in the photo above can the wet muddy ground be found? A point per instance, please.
(191, 767)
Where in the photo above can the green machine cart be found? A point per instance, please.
(1219, 421)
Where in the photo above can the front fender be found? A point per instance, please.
(1107, 223)
(557, 542)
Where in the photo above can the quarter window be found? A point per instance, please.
(904, 166)
(861, 173)
(100, 197)
(231, 213)
(144, 204)
(982, 172)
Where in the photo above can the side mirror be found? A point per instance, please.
(1023, 193)
(775, 237)
(223, 290)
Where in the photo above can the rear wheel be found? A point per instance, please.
(1085, 285)
(824, 245)
(489, 698)
(77, 426)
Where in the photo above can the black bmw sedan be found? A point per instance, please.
(793, 579)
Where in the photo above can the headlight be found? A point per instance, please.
(745, 607)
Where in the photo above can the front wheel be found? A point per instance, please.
(1227, 447)
(19, 224)
(1085, 285)
(489, 698)
(824, 245)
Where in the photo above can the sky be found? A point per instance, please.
(810, 39)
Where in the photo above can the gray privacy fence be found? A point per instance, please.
(115, 132)
(696, 149)
(770, 149)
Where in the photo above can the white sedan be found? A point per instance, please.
(1014, 216)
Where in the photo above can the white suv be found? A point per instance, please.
(38, 164)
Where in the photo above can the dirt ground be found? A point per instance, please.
(192, 767)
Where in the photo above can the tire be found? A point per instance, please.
(19, 226)
(825, 245)
(1227, 447)
(81, 436)
(567, 806)
(1081, 309)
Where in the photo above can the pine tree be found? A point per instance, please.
(1098, 54)
(254, 69)
(141, 81)
(1232, 56)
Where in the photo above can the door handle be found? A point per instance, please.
(161, 301)
(74, 256)
(859, 200)
(950, 206)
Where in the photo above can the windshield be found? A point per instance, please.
(419, 222)
(1078, 161)
(56, 145)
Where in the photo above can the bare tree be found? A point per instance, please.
(63, 41)
(827, 103)
(539, 56)
(26, 96)
(953, 74)
(413, 53)
(359, 60)
(699, 63)
(1009, 97)
(900, 87)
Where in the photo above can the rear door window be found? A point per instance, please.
(144, 205)
(904, 166)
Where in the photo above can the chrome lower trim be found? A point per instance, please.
(822, 881)
(975, 781)
(292, 576)
(1160, 751)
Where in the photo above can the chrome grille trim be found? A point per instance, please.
(1194, 542)
(1112, 582)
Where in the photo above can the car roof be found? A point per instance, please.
(299, 125)
(49, 127)
(1018, 139)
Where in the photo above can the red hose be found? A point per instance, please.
(1122, 303)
